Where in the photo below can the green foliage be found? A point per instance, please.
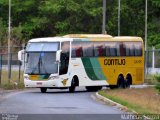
(156, 3)
(158, 87)
(9, 86)
(157, 77)
(130, 106)
(39, 18)
(154, 40)
(2, 32)
(12, 86)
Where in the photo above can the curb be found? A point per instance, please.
(119, 106)
(112, 103)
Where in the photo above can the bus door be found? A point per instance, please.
(63, 68)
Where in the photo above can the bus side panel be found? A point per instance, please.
(113, 67)
(88, 76)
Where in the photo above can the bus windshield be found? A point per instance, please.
(41, 58)
(41, 63)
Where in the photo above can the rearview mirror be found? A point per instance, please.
(58, 56)
(21, 55)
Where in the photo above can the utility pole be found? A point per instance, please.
(9, 37)
(146, 9)
(104, 18)
(119, 17)
(146, 53)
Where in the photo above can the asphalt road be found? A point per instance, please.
(57, 104)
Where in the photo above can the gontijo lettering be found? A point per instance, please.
(114, 62)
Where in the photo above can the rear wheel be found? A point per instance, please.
(128, 81)
(43, 90)
(121, 82)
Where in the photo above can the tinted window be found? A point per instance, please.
(133, 48)
(77, 49)
(87, 49)
(122, 49)
(111, 49)
(138, 49)
(99, 49)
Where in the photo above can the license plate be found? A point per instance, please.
(39, 83)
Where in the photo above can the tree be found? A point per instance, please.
(3, 34)
(43, 18)
(154, 24)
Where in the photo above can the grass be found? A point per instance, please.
(15, 82)
(143, 101)
(157, 77)
(150, 79)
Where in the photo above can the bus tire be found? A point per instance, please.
(128, 81)
(43, 90)
(73, 86)
(120, 82)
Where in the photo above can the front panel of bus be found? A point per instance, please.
(41, 67)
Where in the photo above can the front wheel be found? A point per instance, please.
(43, 90)
(73, 86)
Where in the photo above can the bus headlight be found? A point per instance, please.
(53, 76)
(26, 77)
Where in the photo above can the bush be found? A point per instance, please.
(158, 87)
(157, 77)
(11, 86)
(20, 85)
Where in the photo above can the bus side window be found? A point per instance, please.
(111, 49)
(65, 46)
(76, 49)
(87, 49)
(79, 52)
(127, 48)
(122, 49)
(117, 49)
(107, 50)
(132, 50)
(127, 51)
(138, 49)
(99, 49)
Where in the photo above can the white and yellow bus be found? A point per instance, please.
(90, 60)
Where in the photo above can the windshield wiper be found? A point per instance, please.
(42, 66)
(39, 65)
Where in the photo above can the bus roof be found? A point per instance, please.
(127, 38)
(102, 37)
(88, 36)
(49, 39)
